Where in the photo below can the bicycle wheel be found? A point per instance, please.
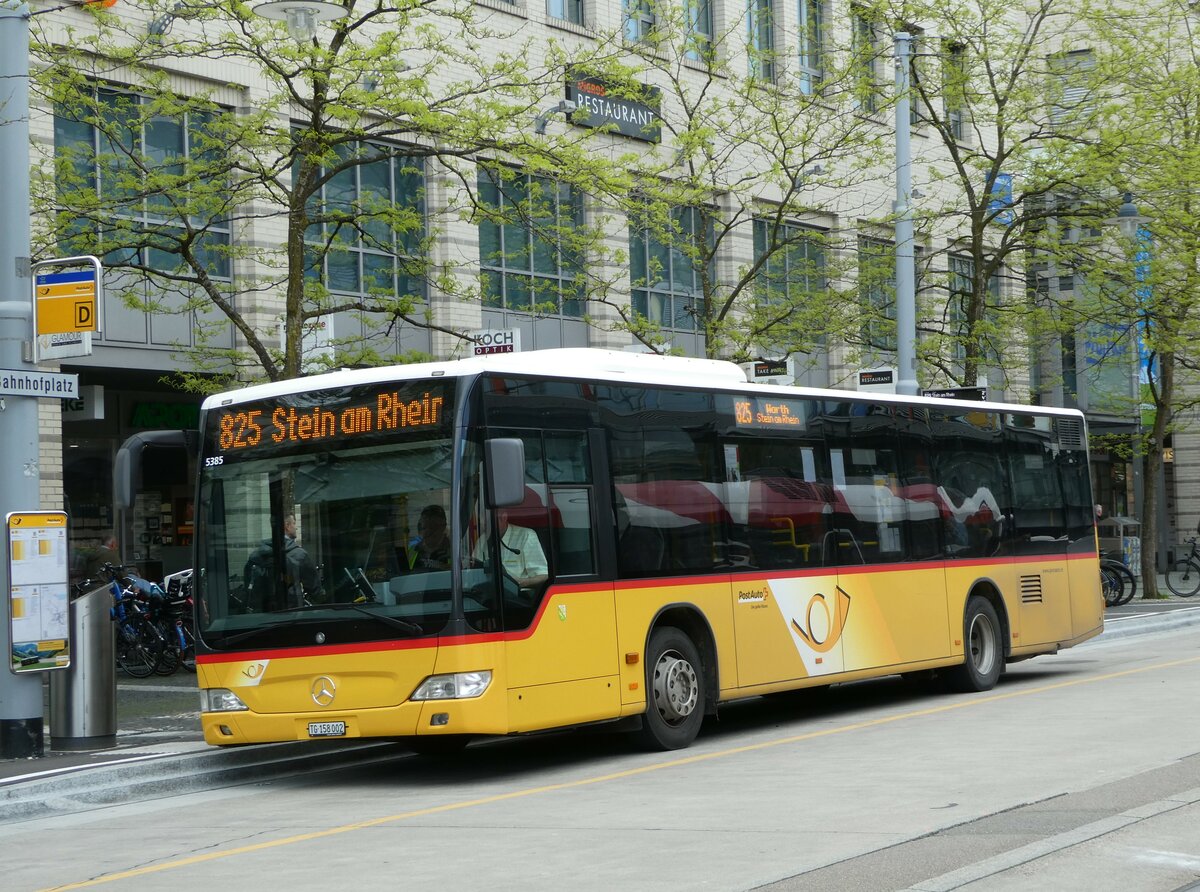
(136, 653)
(1129, 583)
(188, 658)
(1183, 578)
(1111, 585)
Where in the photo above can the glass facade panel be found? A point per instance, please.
(810, 28)
(760, 39)
(372, 216)
(525, 228)
(106, 159)
(669, 291)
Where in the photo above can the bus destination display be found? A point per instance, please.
(768, 412)
(293, 421)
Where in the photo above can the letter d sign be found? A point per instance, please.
(85, 312)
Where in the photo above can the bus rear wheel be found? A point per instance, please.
(674, 691)
(983, 659)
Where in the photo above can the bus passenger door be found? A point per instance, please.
(787, 610)
(885, 524)
(560, 636)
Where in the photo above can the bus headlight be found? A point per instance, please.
(220, 700)
(455, 686)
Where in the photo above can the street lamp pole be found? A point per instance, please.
(906, 292)
(21, 734)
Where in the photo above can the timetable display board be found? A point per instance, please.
(38, 596)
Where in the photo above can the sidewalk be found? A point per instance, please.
(156, 716)
(160, 752)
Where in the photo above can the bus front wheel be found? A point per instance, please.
(674, 691)
(983, 657)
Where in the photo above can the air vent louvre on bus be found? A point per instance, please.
(1070, 432)
(1031, 589)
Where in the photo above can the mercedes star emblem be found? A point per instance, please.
(323, 690)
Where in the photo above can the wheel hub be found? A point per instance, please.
(983, 645)
(676, 688)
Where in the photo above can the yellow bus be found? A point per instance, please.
(507, 544)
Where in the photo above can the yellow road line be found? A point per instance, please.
(618, 775)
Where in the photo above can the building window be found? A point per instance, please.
(639, 19)
(1070, 89)
(760, 39)
(368, 223)
(877, 292)
(526, 255)
(106, 166)
(794, 268)
(811, 40)
(700, 28)
(567, 10)
(954, 90)
(666, 277)
(961, 276)
(916, 72)
(865, 59)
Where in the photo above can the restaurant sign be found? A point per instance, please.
(602, 108)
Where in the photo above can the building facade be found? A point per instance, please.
(768, 229)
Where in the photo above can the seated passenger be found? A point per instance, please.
(430, 550)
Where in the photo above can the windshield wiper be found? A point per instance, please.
(403, 625)
(392, 621)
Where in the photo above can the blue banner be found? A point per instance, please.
(1001, 199)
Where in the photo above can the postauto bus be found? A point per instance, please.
(513, 543)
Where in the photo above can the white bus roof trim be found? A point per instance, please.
(594, 364)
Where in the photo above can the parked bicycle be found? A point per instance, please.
(139, 642)
(1183, 577)
(174, 614)
(1116, 581)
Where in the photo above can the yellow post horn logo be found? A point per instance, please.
(835, 621)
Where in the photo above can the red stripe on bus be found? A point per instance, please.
(624, 585)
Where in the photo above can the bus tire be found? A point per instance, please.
(983, 657)
(674, 691)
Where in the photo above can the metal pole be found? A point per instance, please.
(21, 735)
(906, 289)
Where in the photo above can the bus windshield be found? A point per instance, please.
(327, 514)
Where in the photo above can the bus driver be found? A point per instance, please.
(521, 553)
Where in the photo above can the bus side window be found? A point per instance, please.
(778, 509)
(972, 484)
(923, 514)
(569, 476)
(572, 531)
(868, 511)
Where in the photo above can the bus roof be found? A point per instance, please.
(594, 364)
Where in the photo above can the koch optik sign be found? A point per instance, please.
(489, 341)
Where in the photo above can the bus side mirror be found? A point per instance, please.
(505, 459)
(126, 467)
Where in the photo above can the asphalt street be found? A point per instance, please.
(158, 730)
